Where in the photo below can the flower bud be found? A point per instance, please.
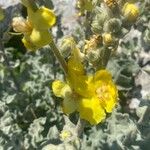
(21, 25)
(93, 43)
(111, 3)
(107, 39)
(66, 46)
(93, 57)
(113, 25)
(130, 12)
(98, 21)
(61, 89)
(97, 27)
(67, 92)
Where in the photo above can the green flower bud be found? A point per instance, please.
(93, 57)
(96, 27)
(113, 25)
(66, 46)
(98, 21)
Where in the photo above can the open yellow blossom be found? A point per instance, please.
(35, 27)
(90, 95)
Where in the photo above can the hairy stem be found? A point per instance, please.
(80, 127)
(106, 56)
(145, 116)
(59, 57)
(30, 4)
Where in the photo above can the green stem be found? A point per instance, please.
(80, 127)
(106, 56)
(30, 4)
(59, 57)
(145, 116)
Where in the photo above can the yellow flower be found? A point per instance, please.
(90, 95)
(35, 28)
(130, 12)
(65, 135)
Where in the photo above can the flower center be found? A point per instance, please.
(103, 92)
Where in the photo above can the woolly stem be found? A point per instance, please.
(59, 57)
(80, 127)
(106, 56)
(30, 4)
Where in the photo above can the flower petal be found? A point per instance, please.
(91, 110)
(40, 38)
(69, 105)
(112, 100)
(79, 84)
(103, 75)
(27, 43)
(75, 65)
(43, 18)
(76, 78)
(57, 87)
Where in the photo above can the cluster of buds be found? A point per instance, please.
(113, 15)
(92, 49)
(112, 20)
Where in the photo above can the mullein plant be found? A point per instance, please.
(92, 96)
